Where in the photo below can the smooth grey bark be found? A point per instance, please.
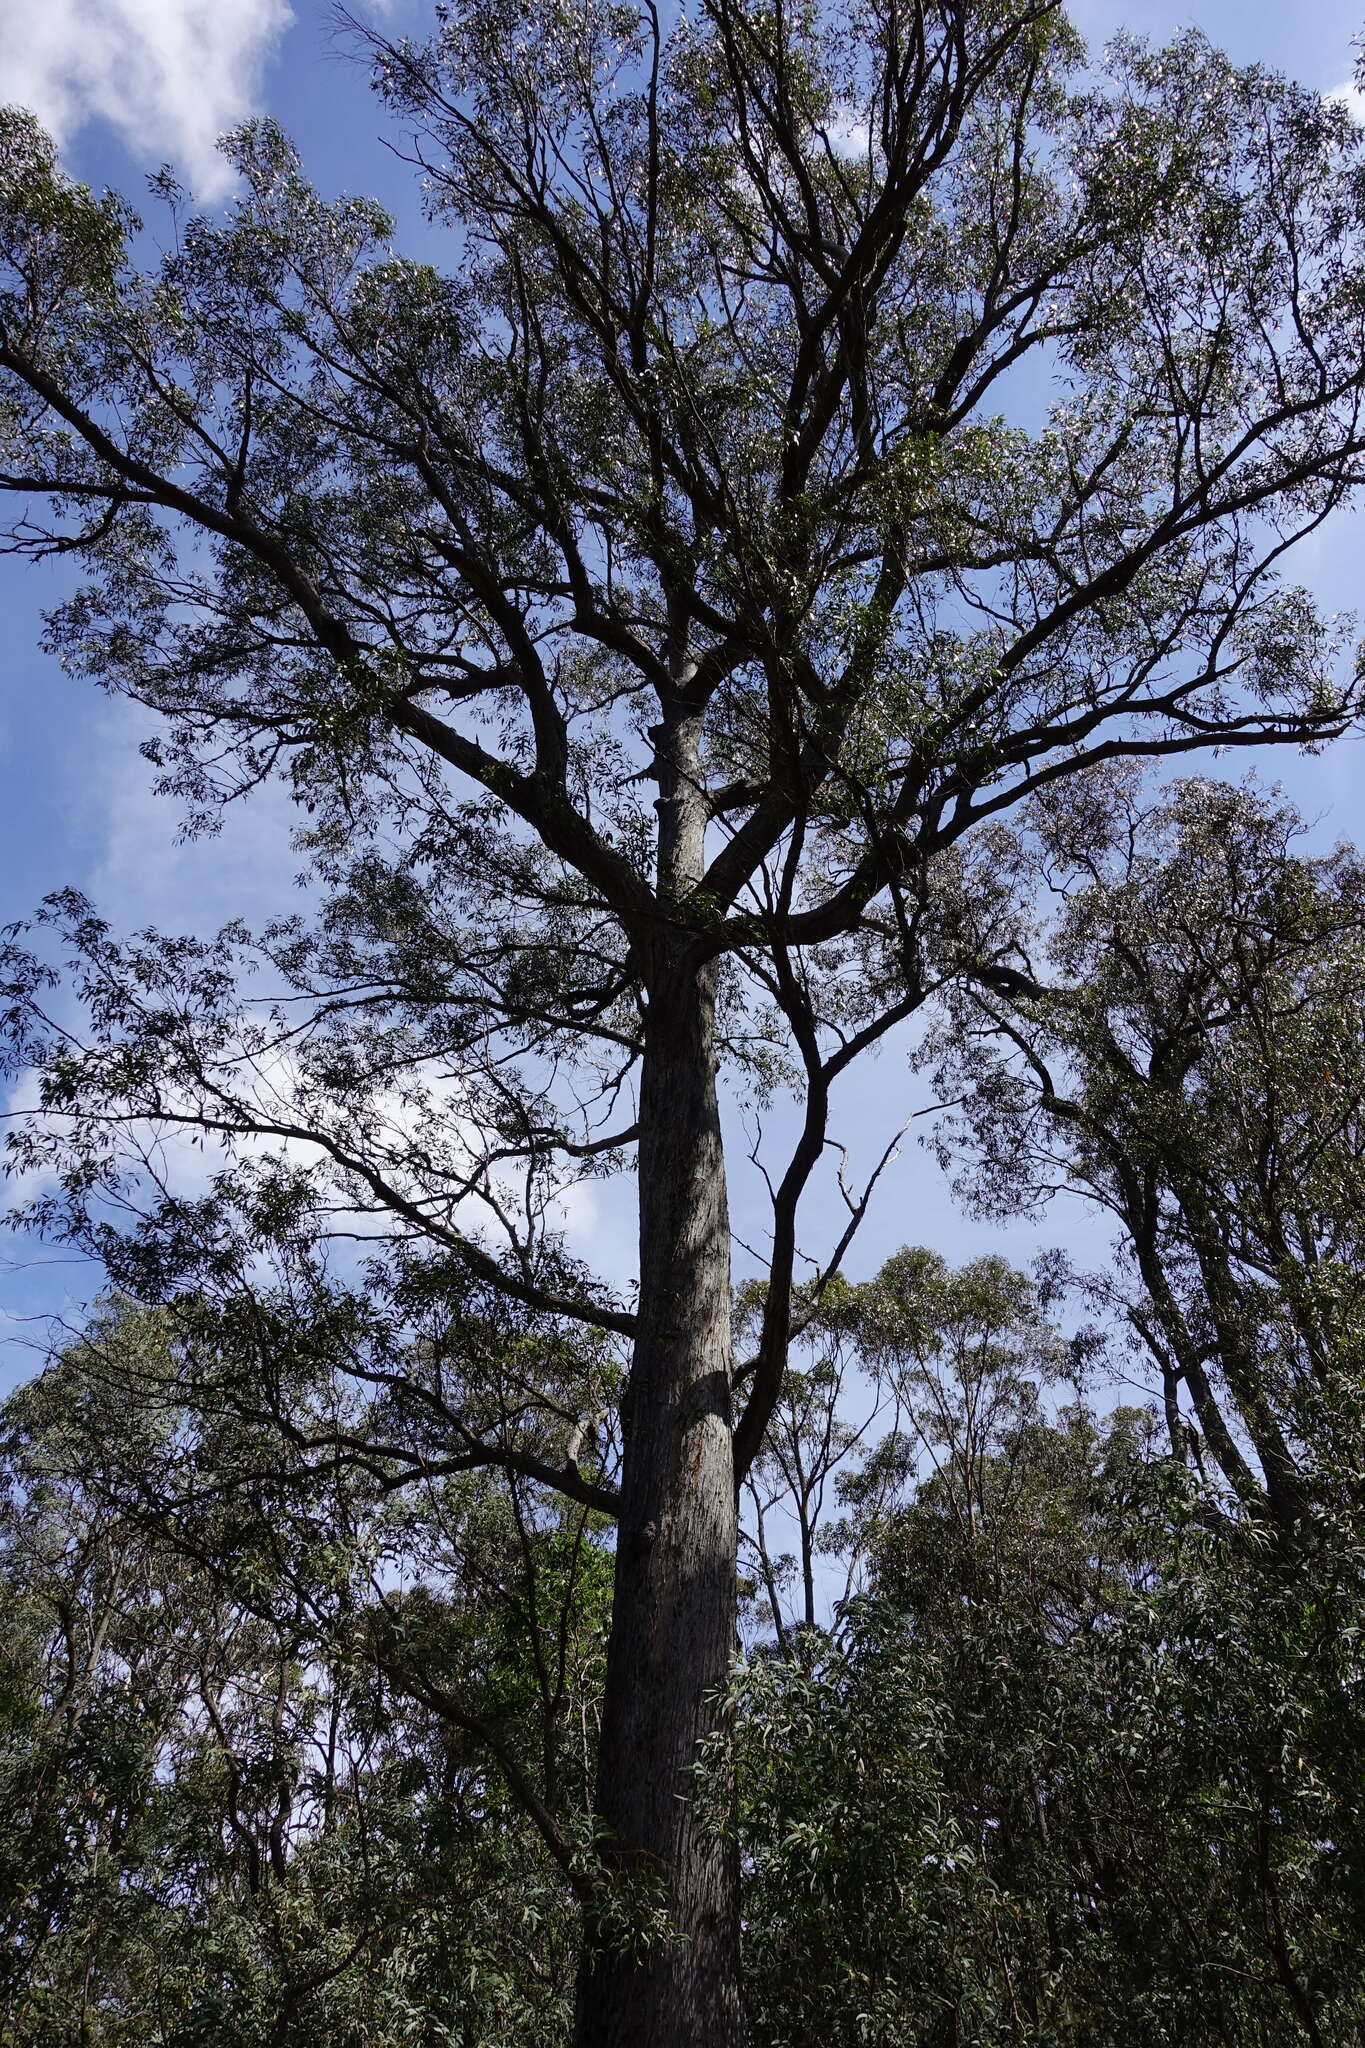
(673, 1618)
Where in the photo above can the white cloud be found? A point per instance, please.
(403, 1132)
(143, 874)
(849, 134)
(1352, 98)
(169, 75)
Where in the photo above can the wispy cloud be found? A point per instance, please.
(144, 874)
(168, 75)
(1352, 98)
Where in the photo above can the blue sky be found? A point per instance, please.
(129, 84)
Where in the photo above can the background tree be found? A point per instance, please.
(236, 1795)
(1182, 1045)
(918, 1363)
(689, 476)
(1077, 1764)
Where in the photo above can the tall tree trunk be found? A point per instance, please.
(673, 1621)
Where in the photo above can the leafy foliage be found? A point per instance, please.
(1187, 1053)
(1080, 1769)
(234, 1801)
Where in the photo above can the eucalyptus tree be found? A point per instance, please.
(1182, 1046)
(237, 1796)
(920, 1370)
(650, 608)
(1080, 1769)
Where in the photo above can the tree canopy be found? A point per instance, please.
(813, 452)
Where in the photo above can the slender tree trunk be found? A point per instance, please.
(673, 1621)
